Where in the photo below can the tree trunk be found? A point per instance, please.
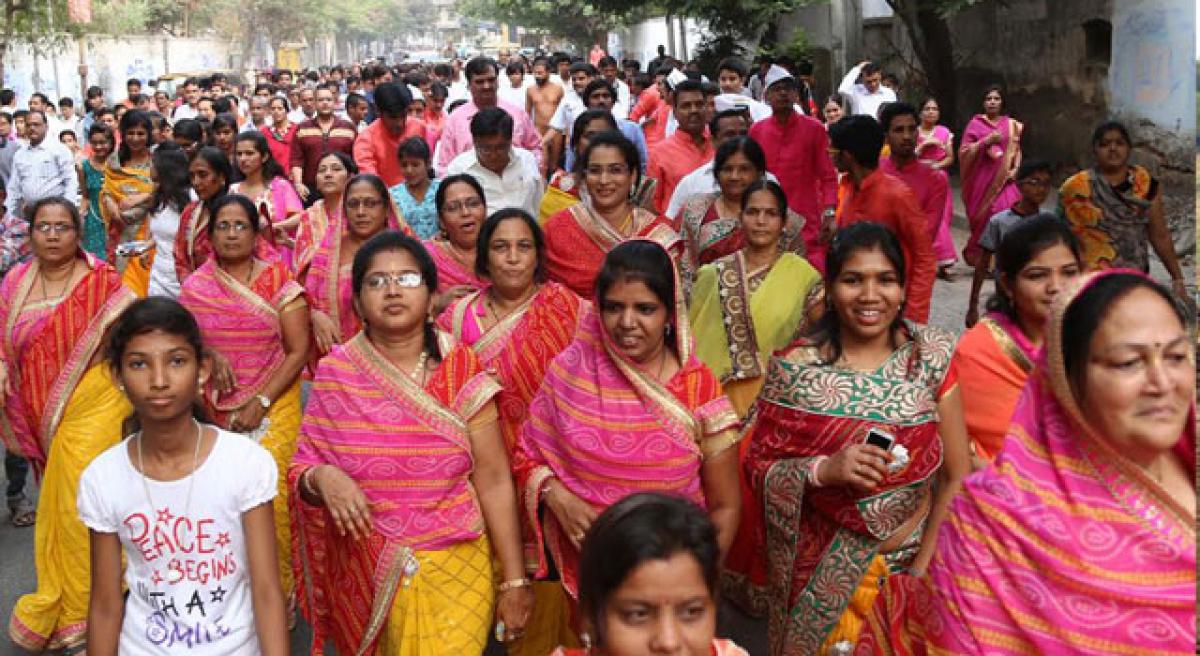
(10, 18)
(934, 47)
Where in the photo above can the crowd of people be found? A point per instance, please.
(558, 355)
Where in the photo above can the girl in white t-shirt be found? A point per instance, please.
(188, 504)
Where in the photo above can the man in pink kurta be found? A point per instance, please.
(685, 150)
(456, 139)
(797, 150)
(899, 121)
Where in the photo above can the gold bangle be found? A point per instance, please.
(306, 482)
(514, 584)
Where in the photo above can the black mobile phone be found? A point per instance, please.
(880, 438)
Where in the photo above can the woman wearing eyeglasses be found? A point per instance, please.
(461, 207)
(407, 494)
(60, 410)
(367, 210)
(252, 314)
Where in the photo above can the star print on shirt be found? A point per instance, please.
(223, 539)
(165, 516)
(157, 578)
(218, 595)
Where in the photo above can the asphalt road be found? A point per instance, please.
(948, 309)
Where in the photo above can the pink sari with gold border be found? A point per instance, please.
(986, 187)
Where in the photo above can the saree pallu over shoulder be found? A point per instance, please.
(1064, 545)
(819, 543)
(707, 237)
(50, 365)
(121, 182)
(452, 272)
(314, 224)
(242, 323)
(1111, 225)
(192, 247)
(577, 241)
(992, 362)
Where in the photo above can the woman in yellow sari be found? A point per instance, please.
(61, 408)
(127, 193)
(254, 318)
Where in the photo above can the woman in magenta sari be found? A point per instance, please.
(627, 408)
(935, 148)
(989, 157)
(461, 209)
(1082, 536)
(255, 321)
(333, 172)
(61, 409)
(1036, 262)
(264, 182)
(368, 210)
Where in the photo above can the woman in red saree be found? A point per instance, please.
(516, 326)
(990, 156)
(405, 568)
(1081, 538)
(842, 509)
(61, 408)
(254, 319)
(627, 408)
(368, 210)
(461, 209)
(1036, 261)
(935, 148)
(578, 238)
(209, 172)
(333, 172)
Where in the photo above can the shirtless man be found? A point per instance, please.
(542, 97)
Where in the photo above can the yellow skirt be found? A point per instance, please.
(743, 393)
(447, 607)
(280, 441)
(550, 624)
(55, 616)
(851, 622)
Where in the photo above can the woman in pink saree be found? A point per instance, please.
(935, 148)
(1081, 537)
(462, 209)
(989, 157)
(627, 408)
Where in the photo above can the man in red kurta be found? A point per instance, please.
(869, 194)
(899, 121)
(686, 149)
(797, 150)
(377, 149)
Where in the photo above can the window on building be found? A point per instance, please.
(1098, 41)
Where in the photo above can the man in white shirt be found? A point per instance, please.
(307, 107)
(727, 125)
(41, 169)
(512, 88)
(191, 100)
(608, 70)
(509, 176)
(866, 97)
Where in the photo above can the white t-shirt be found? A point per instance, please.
(163, 226)
(187, 572)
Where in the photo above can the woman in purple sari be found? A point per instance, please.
(990, 155)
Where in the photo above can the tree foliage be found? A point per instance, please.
(581, 21)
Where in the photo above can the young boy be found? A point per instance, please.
(731, 76)
(1033, 179)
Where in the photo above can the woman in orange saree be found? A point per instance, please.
(578, 238)
(367, 210)
(989, 157)
(1036, 261)
(61, 409)
(517, 325)
(405, 569)
(626, 408)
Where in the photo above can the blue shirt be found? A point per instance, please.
(421, 217)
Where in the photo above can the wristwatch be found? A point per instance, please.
(266, 403)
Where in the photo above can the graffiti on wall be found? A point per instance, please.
(1152, 71)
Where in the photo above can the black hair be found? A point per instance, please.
(613, 139)
(224, 105)
(514, 67)
(416, 148)
(217, 161)
(869, 68)
(287, 107)
(439, 199)
(392, 99)
(489, 228)
(67, 131)
(190, 129)
(347, 161)
(271, 169)
(443, 69)
(736, 112)
(416, 78)
(733, 64)
(762, 184)
(146, 315)
(891, 110)
(1110, 126)
(478, 65)
(133, 80)
(743, 145)
(1025, 241)
(7, 96)
(41, 96)
(687, 86)
(856, 237)
(354, 99)
(641, 527)
(998, 88)
(390, 240)
(641, 261)
(1030, 166)
(133, 118)
(171, 172)
(606, 60)
(1089, 309)
(596, 85)
(375, 182)
(225, 121)
(32, 210)
(66, 101)
(99, 128)
(586, 117)
(266, 86)
(582, 67)
(860, 136)
(241, 201)
(491, 122)
(631, 64)
(438, 91)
